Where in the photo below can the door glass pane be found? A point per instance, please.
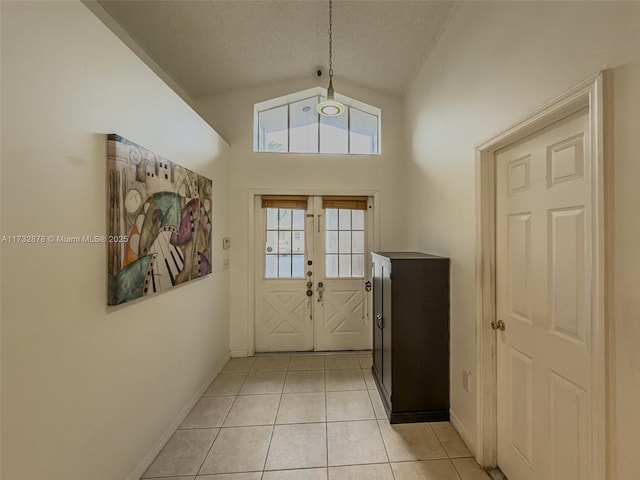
(271, 266)
(357, 266)
(332, 218)
(332, 242)
(284, 219)
(272, 242)
(298, 242)
(344, 266)
(298, 266)
(345, 242)
(303, 133)
(358, 242)
(357, 219)
(284, 266)
(332, 266)
(273, 130)
(284, 242)
(345, 219)
(272, 218)
(298, 219)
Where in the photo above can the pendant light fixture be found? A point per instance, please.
(330, 107)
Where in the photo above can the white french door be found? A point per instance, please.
(312, 268)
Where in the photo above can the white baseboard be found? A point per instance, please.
(466, 438)
(148, 459)
(239, 353)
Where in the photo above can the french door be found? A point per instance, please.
(312, 273)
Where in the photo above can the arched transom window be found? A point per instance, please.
(291, 125)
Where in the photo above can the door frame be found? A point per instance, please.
(590, 95)
(251, 241)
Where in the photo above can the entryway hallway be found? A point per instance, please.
(306, 417)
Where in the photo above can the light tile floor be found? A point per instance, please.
(306, 417)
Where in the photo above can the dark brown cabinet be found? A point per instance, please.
(411, 335)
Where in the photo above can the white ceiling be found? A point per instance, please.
(212, 46)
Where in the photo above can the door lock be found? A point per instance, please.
(309, 284)
(320, 290)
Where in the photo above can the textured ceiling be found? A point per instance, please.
(212, 46)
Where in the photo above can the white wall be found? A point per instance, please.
(87, 392)
(496, 62)
(232, 115)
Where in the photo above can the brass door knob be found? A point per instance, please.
(499, 325)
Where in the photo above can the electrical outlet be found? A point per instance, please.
(465, 379)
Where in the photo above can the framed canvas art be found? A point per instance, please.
(159, 222)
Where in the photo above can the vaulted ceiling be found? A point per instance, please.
(212, 46)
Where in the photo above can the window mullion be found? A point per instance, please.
(348, 130)
(318, 117)
(289, 128)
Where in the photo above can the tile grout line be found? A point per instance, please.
(456, 469)
(439, 441)
(273, 427)
(326, 416)
(222, 423)
(445, 450)
(384, 444)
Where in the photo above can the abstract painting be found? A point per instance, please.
(159, 222)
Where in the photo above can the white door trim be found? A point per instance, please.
(588, 94)
(251, 251)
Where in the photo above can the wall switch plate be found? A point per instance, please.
(226, 243)
(225, 264)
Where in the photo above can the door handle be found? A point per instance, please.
(499, 325)
(320, 291)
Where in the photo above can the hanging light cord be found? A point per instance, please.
(330, 107)
(330, 39)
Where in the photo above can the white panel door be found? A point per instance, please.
(312, 268)
(543, 248)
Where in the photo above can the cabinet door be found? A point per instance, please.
(386, 324)
(377, 315)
